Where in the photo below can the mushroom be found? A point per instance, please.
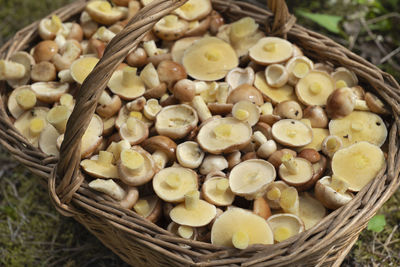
(134, 131)
(201, 107)
(296, 172)
(43, 72)
(375, 104)
(331, 198)
(220, 109)
(45, 51)
(103, 13)
(170, 72)
(292, 133)
(108, 106)
(264, 128)
(184, 90)
(49, 92)
(275, 95)
(173, 183)
(276, 75)
(150, 77)
(251, 177)
(310, 155)
(240, 228)
(239, 76)
(179, 47)
(289, 109)
(270, 50)
(194, 10)
(358, 164)
(289, 200)
(198, 27)
(224, 135)
(137, 58)
(297, 68)
(216, 22)
(183, 231)
(261, 207)
(27, 61)
(49, 27)
(82, 67)
(126, 84)
(136, 105)
(20, 100)
(151, 109)
(317, 116)
(245, 92)
(331, 144)
(265, 147)
(149, 207)
(189, 154)
(170, 28)
(31, 123)
(273, 194)
(315, 88)
(58, 117)
(176, 121)
(136, 166)
(100, 166)
(162, 149)
(326, 67)
(193, 212)
(116, 149)
(318, 137)
(109, 125)
(340, 103)
(209, 59)
(311, 211)
(276, 157)
(246, 111)
(344, 78)
(48, 140)
(11, 70)
(70, 52)
(284, 226)
(212, 163)
(359, 126)
(216, 191)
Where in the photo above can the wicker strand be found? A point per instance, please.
(282, 21)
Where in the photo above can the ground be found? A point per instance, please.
(33, 233)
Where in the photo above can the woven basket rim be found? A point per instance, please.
(377, 192)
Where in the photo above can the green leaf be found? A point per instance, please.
(377, 223)
(329, 22)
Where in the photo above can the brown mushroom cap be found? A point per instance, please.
(317, 116)
(163, 143)
(375, 104)
(45, 50)
(289, 109)
(170, 28)
(109, 109)
(340, 103)
(245, 92)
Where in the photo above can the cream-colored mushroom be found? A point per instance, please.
(176, 121)
(162, 149)
(183, 231)
(319, 134)
(170, 28)
(265, 147)
(240, 228)
(171, 184)
(11, 70)
(331, 144)
(179, 47)
(344, 77)
(315, 88)
(49, 92)
(251, 177)
(330, 197)
(246, 111)
(108, 106)
(275, 95)
(292, 133)
(136, 166)
(43, 72)
(295, 171)
(194, 10)
(92, 137)
(31, 123)
(49, 27)
(189, 154)
(82, 67)
(289, 200)
(149, 207)
(108, 187)
(151, 108)
(273, 194)
(212, 163)
(224, 135)
(276, 75)
(103, 13)
(270, 50)
(100, 166)
(284, 226)
(297, 68)
(239, 76)
(116, 149)
(27, 61)
(216, 191)
(198, 27)
(58, 117)
(134, 131)
(20, 100)
(126, 84)
(311, 211)
(48, 140)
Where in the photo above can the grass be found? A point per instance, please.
(32, 233)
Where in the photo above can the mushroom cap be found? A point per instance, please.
(224, 135)
(194, 10)
(176, 121)
(315, 88)
(245, 92)
(358, 164)
(298, 67)
(100, 166)
(49, 92)
(179, 47)
(251, 177)
(202, 215)
(170, 28)
(23, 123)
(48, 140)
(198, 27)
(246, 111)
(163, 143)
(275, 95)
(319, 135)
(103, 13)
(292, 133)
(359, 126)
(92, 137)
(375, 104)
(239, 76)
(131, 196)
(212, 163)
(189, 154)
(149, 207)
(330, 198)
(110, 109)
(344, 77)
(285, 225)
(270, 50)
(317, 116)
(27, 61)
(171, 184)
(141, 176)
(289, 109)
(134, 131)
(276, 75)
(127, 91)
(311, 211)
(304, 175)
(216, 191)
(12, 104)
(45, 50)
(209, 59)
(82, 67)
(236, 220)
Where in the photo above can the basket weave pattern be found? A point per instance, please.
(143, 243)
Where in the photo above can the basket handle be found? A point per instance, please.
(67, 169)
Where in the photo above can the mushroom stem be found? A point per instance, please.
(36, 126)
(274, 193)
(26, 99)
(290, 163)
(137, 104)
(11, 70)
(361, 105)
(65, 76)
(67, 100)
(259, 138)
(240, 240)
(282, 233)
(192, 199)
(133, 161)
(142, 207)
(201, 108)
(338, 184)
(105, 99)
(129, 76)
(185, 231)
(289, 200)
(160, 158)
(55, 24)
(105, 157)
(58, 117)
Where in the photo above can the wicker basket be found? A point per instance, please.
(142, 243)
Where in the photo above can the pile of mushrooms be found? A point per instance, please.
(222, 133)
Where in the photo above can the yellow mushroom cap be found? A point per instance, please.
(292, 133)
(270, 50)
(81, 68)
(315, 88)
